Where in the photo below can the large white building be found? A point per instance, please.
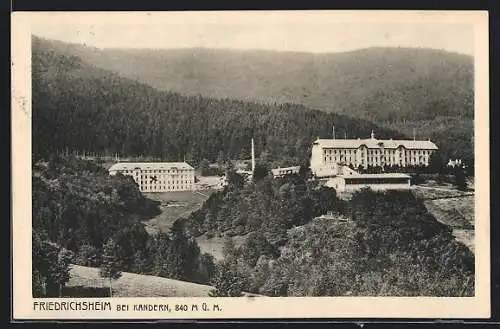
(327, 153)
(158, 176)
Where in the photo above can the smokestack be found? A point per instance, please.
(333, 131)
(253, 158)
(413, 133)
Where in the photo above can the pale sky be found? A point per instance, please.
(307, 31)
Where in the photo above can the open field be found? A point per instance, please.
(451, 207)
(86, 282)
(174, 205)
(135, 285)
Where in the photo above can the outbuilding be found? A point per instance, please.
(353, 182)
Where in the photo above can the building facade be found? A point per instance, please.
(327, 153)
(158, 176)
(377, 182)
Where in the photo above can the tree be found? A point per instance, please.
(235, 181)
(87, 255)
(183, 253)
(50, 269)
(207, 269)
(227, 282)
(460, 179)
(229, 249)
(62, 269)
(111, 263)
(437, 163)
(260, 172)
(204, 167)
(142, 263)
(255, 246)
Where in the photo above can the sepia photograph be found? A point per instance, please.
(258, 155)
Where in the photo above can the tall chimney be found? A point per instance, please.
(253, 158)
(333, 131)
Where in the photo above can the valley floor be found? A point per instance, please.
(175, 205)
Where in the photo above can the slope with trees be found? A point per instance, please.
(82, 215)
(399, 88)
(79, 107)
(267, 205)
(388, 246)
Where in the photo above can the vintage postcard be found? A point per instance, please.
(250, 164)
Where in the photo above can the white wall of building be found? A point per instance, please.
(340, 185)
(376, 187)
(158, 177)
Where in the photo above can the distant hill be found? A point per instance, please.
(80, 107)
(428, 90)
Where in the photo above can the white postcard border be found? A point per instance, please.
(244, 307)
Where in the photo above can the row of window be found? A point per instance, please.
(157, 171)
(370, 159)
(165, 188)
(374, 158)
(175, 182)
(372, 152)
(163, 176)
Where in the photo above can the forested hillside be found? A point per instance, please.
(268, 205)
(78, 210)
(398, 88)
(79, 107)
(376, 244)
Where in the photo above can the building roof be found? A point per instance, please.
(376, 143)
(277, 170)
(150, 165)
(386, 175)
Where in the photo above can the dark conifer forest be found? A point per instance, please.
(403, 89)
(83, 108)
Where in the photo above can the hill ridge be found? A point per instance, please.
(82, 107)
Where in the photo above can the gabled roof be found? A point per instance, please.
(149, 165)
(376, 143)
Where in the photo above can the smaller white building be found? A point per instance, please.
(455, 163)
(353, 182)
(280, 172)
